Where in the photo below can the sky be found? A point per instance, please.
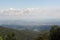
(28, 3)
(29, 9)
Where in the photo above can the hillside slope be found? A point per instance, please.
(20, 34)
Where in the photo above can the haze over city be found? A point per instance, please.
(30, 10)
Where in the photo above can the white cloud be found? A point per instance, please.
(30, 13)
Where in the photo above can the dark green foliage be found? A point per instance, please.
(55, 33)
(1, 38)
(12, 34)
(43, 35)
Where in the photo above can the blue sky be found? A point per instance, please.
(28, 3)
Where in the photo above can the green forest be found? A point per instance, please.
(13, 34)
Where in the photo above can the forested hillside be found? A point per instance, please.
(18, 34)
(13, 34)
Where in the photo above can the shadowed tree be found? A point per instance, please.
(11, 36)
(55, 33)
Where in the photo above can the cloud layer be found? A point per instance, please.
(30, 13)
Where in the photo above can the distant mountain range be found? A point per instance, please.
(32, 22)
(32, 28)
(29, 25)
